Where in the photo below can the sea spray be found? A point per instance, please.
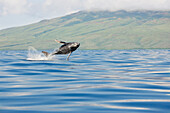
(34, 54)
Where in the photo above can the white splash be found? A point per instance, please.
(34, 54)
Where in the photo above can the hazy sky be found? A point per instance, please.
(22, 12)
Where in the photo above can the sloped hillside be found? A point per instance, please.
(94, 30)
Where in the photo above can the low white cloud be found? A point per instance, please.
(114, 5)
(13, 7)
(62, 7)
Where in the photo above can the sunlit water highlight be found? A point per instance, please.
(93, 81)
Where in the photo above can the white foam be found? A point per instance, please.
(34, 54)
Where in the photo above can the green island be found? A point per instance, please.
(94, 30)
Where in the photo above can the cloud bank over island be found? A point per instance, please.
(41, 9)
(67, 6)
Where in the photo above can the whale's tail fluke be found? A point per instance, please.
(46, 53)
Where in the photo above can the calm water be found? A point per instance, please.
(93, 81)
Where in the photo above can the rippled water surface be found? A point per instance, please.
(93, 81)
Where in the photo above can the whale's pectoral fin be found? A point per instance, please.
(45, 53)
(60, 42)
(68, 56)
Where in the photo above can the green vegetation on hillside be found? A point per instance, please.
(94, 30)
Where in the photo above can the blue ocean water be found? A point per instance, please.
(93, 81)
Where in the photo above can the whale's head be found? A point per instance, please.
(74, 46)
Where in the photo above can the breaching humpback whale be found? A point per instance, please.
(66, 48)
